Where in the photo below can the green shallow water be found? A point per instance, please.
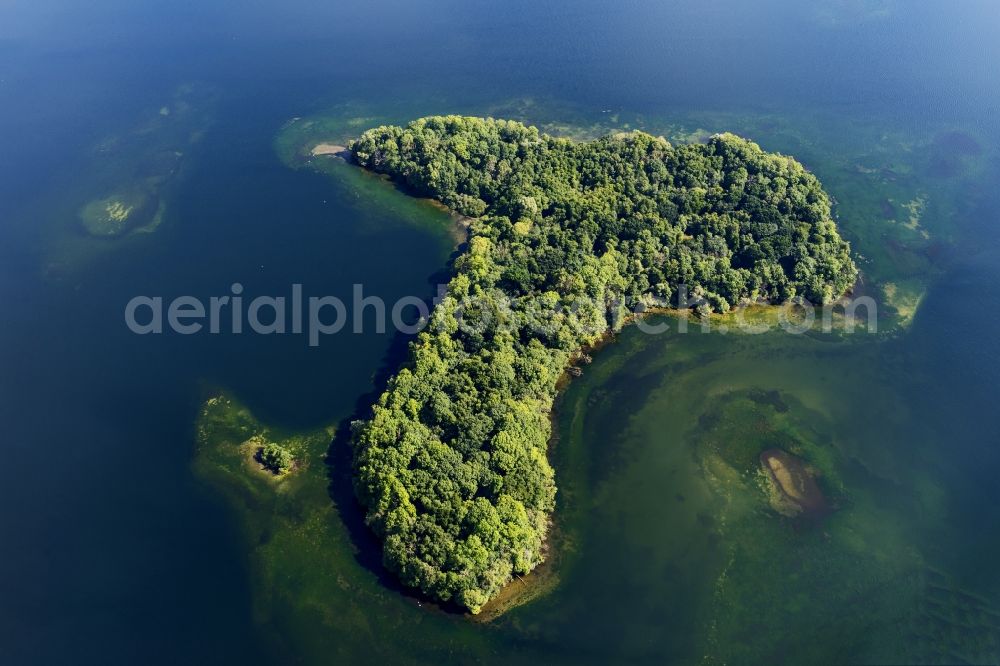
(667, 547)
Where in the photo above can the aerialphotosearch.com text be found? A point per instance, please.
(317, 317)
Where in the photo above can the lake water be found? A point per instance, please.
(116, 547)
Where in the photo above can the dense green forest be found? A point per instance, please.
(568, 238)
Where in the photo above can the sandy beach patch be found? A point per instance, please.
(330, 149)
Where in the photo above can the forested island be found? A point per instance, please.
(566, 240)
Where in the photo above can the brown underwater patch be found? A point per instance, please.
(798, 493)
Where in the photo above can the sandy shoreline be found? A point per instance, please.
(330, 149)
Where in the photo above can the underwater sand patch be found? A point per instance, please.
(796, 490)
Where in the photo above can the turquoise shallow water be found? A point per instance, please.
(114, 552)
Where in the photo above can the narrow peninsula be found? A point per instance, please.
(566, 238)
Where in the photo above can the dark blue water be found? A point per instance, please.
(110, 551)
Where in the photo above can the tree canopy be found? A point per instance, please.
(275, 458)
(452, 465)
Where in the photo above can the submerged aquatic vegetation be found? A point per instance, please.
(316, 587)
(118, 214)
(138, 163)
(682, 494)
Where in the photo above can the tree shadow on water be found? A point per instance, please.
(340, 468)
